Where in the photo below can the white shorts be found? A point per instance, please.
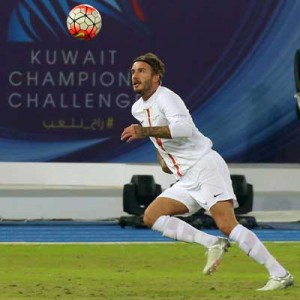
(203, 185)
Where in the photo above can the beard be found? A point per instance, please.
(143, 88)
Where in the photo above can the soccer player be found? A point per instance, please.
(203, 178)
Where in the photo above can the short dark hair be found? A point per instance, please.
(151, 59)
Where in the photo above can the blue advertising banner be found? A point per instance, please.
(68, 100)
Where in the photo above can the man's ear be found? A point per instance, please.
(156, 78)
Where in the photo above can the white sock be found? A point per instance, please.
(253, 247)
(177, 229)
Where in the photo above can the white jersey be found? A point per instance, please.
(165, 108)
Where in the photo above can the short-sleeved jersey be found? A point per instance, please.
(164, 108)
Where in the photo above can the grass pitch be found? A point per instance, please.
(137, 272)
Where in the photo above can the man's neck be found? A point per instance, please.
(146, 97)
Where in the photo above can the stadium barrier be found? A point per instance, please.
(94, 191)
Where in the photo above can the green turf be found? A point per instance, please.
(136, 272)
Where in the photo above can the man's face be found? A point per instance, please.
(144, 82)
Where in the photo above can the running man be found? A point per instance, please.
(203, 178)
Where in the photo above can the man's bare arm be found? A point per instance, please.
(163, 164)
(158, 131)
(136, 131)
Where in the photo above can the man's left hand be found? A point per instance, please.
(133, 132)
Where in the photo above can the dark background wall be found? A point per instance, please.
(66, 100)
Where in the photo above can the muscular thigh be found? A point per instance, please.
(224, 216)
(181, 195)
(163, 206)
(166, 206)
